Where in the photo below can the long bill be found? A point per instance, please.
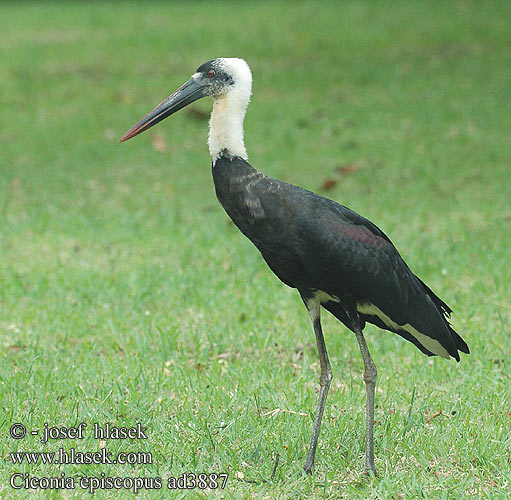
(184, 95)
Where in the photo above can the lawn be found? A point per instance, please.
(128, 297)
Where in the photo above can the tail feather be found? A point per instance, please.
(460, 343)
(444, 341)
(445, 311)
(439, 303)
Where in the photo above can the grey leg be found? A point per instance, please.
(370, 381)
(313, 306)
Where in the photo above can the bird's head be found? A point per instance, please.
(217, 78)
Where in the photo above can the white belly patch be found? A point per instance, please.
(325, 297)
(430, 344)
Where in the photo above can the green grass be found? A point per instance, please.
(126, 296)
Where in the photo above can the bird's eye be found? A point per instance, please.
(210, 73)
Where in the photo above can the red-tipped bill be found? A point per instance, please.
(184, 95)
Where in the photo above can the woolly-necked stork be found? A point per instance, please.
(335, 258)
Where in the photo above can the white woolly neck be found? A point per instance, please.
(226, 122)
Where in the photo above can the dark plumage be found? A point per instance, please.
(333, 256)
(315, 244)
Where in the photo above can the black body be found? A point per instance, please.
(333, 256)
(315, 244)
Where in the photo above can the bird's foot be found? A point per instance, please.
(370, 471)
(308, 466)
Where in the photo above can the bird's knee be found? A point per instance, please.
(326, 378)
(370, 374)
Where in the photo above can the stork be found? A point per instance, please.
(334, 257)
